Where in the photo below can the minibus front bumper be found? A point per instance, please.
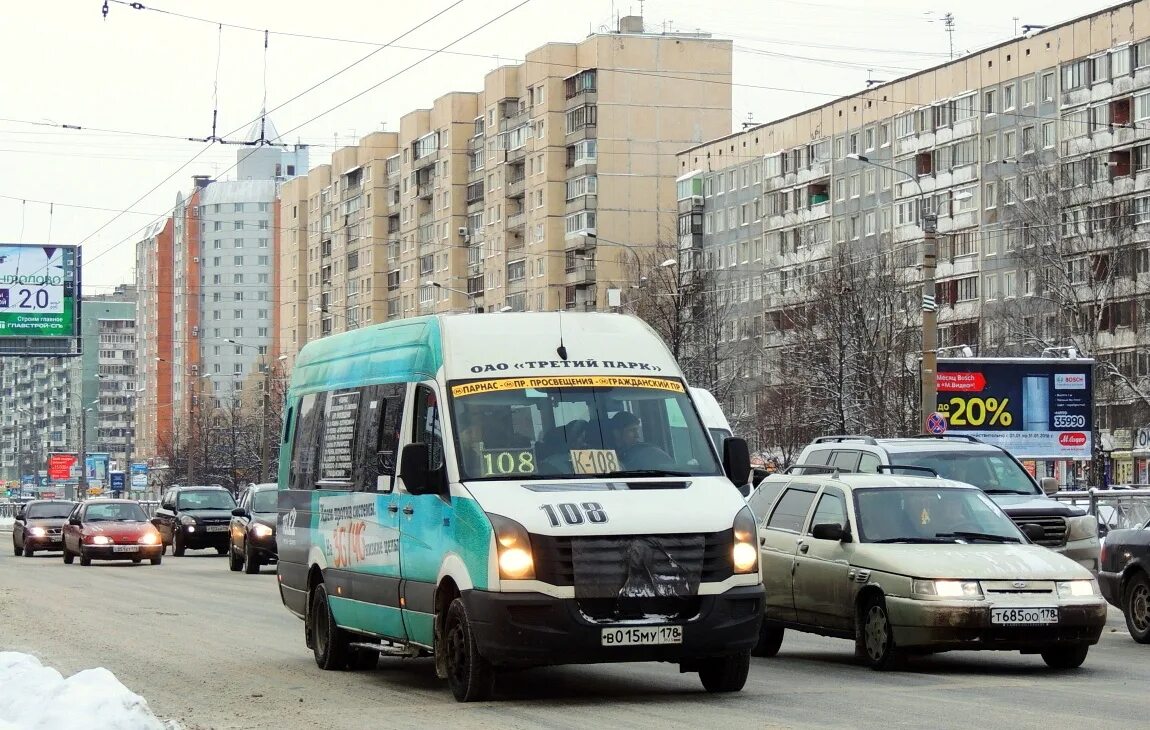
(533, 629)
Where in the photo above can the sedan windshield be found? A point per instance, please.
(115, 512)
(49, 510)
(568, 426)
(995, 473)
(266, 501)
(931, 514)
(206, 499)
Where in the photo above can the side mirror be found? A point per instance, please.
(1049, 485)
(1033, 532)
(74, 520)
(744, 489)
(737, 460)
(418, 478)
(829, 531)
(239, 512)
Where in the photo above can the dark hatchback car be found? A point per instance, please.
(39, 525)
(1125, 577)
(195, 518)
(253, 529)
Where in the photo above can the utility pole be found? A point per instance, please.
(264, 430)
(929, 318)
(948, 23)
(83, 483)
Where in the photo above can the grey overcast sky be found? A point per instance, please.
(152, 72)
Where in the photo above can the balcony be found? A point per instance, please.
(582, 275)
(424, 190)
(516, 222)
(429, 159)
(517, 154)
(516, 186)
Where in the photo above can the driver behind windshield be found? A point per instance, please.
(626, 435)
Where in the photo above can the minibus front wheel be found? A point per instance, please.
(469, 675)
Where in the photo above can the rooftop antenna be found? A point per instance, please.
(870, 80)
(948, 24)
(750, 122)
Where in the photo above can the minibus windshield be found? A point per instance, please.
(578, 427)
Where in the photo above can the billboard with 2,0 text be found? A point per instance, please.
(1035, 408)
(39, 299)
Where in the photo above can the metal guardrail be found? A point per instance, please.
(8, 510)
(1115, 509)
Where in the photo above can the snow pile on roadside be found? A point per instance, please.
(6, 524)
(35, 697)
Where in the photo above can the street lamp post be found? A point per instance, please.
(470, 297)
(929, 397)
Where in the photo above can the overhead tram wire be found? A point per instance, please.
(407, 68)
(264, 112)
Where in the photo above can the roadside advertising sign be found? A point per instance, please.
(1035, 408)
(60, 466)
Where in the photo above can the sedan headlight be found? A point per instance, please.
(1081, 528)
(745, 550)
(513, 544)
(262, 531)
(37, 532)
(187, 520)
(150, 538)
(1077, 588)
(100, 540)
(947, 589)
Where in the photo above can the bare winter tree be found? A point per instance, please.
(850, 339)
(696, 311)
(1083, 281)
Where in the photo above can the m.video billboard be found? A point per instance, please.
(39, 299)
(1035, 408)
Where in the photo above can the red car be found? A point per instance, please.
(111, 529)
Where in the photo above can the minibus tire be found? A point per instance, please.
(469, 675)
(329, 641)
(726, 674)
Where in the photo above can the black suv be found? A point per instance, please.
(253, 529)
(964, 458)
(195, 518)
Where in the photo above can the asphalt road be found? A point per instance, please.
(215, 649)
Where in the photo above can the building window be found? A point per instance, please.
(579, 83)
(581, 117)
(1048, 86)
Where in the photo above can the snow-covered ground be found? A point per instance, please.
(35, 697)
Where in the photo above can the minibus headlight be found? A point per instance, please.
(514, 549)
(745, 549)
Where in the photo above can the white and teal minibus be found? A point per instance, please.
(512, 490)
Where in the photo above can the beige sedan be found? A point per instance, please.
(909, 565)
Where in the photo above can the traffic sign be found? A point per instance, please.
(936, 423)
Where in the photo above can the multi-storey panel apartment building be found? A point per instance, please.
(1035, 155)
(41, 398)
(549, 189)
(209, 274)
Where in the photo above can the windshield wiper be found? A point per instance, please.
(645, 473)
(979, 536)
(913, 540)
(1005, 491)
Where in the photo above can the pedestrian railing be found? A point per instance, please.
(8, 510)
(1115, 509)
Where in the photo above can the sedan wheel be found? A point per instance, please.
(1065, 657)
(251, 562)
(877, 640)
(84, 559)
(16, 549)
(235, 561)
(1137, 608)
(68, 556)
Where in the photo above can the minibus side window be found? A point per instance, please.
(377, 441)
(428, 428)
(307, 442)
